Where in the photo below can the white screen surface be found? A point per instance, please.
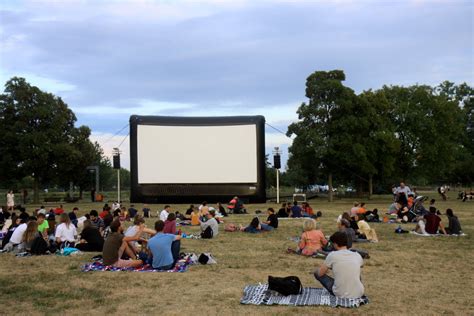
(196, 154)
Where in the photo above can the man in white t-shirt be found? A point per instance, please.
(16, 238)
(345, 266)
(165, 212)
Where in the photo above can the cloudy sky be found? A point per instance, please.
(111, 59)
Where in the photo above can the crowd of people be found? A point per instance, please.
(132, 245)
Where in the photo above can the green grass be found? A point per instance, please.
(406, 274)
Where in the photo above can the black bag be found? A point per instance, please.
(286, 286)
(39, 246)
(207, 233)
(203, 259)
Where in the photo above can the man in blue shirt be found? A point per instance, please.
(295, 210)
(164, 248)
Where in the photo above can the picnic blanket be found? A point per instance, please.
(181, 266)
(260, 295)
(435, 235)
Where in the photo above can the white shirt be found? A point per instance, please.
(18, 233)
(66, 234)
(405, 190)
(164, 215)
(345, 266)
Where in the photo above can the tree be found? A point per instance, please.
(39, 137)
(429, 125)
(315, 150)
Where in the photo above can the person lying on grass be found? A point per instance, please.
(116, 245)
(163, 248)
(255, 227)
(345, 266)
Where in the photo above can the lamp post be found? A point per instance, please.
(116, 163)
(277, 166)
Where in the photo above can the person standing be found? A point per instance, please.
(345, 266)
(10, 200)
(93, 194)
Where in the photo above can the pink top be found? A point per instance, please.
(170, 227)
(311, 241)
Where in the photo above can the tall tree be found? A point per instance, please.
(315, 149)
(39, 136)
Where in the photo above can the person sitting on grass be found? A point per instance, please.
(307, 210)
(345, 266)
(345, 226)
(116, 246)
(91, 239)
(146, 211)
(296, 210)
(96, 221)
(164, 248)
(454, 227)
(272, 219)
(29, 236)
(365, 231)
(221, 209)
(282, 211)
(170, 224)
(195, 217)
(211, 223)
(66, 232)
(138, 225)
(108, 219)
(433, 222)
(164, 213)
(43, 225)
(312, 239)
(355, 208)
(73, 216)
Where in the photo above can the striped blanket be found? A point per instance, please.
(259, 295)
(181, 266)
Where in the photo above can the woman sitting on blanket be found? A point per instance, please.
(138, 225)
(312, 240)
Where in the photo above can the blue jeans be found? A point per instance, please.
(326, 281)
(266, 227)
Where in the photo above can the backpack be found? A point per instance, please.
(207, 233)
(286, 286)
(39, 246)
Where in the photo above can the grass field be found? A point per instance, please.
(405, 275)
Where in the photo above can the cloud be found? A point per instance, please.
(111, 59)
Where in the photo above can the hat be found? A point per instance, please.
(42, 211)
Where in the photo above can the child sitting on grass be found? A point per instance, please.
(312, 240)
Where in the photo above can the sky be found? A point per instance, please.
(111, 59)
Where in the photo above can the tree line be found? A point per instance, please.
(420, 134)
(41, 146)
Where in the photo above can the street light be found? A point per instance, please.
(277, 166)
(116, 164)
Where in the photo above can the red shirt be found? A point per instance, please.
(170, 227)
(432, 223)
(58, 211)
(103, 214)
